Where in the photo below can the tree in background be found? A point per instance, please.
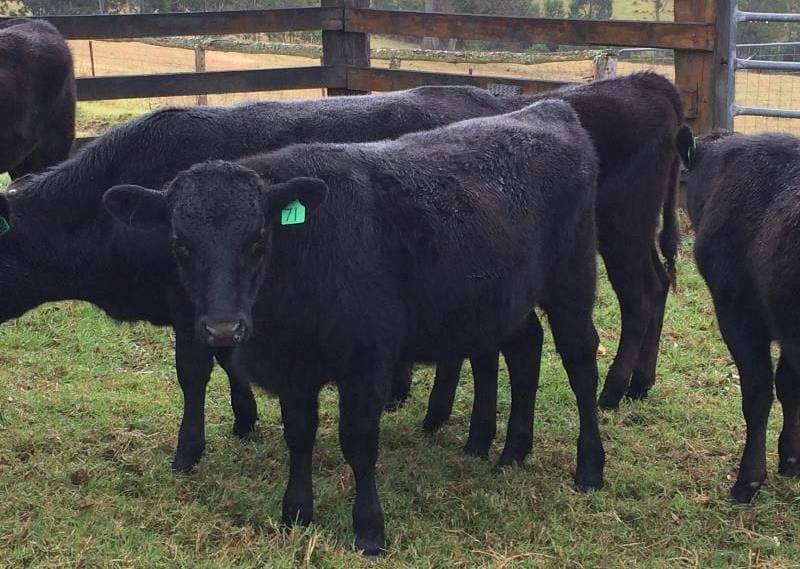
(658, 5)
(554, 9)
(591, 9)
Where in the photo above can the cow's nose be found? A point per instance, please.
(224, 333)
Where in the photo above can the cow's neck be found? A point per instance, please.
(75, 251)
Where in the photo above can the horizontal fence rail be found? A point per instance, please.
(346, 25)
(739, 110)
(767, 65)
(129, 26)
(373, 79)
(693, 36)
(208, 82)
(766, 17)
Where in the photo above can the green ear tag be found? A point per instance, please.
(5, 227)
(293, 213)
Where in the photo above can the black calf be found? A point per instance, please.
(633, 121)
(37, 96)
(434, 246)
(62, 244)
(744, 202)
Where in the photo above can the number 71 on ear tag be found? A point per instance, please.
(293, 213)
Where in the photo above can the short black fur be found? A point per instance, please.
(744, 203)
(37, 96)
(434, 246)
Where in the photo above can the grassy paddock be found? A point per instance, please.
(90, 409)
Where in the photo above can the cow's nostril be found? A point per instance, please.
(238, 331)
(224, 333)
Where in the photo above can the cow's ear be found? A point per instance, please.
(295, 199)
(137, 207)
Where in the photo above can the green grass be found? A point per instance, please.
(89, 412)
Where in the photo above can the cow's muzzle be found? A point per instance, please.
(222, 333)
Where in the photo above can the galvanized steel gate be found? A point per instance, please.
(726, 96)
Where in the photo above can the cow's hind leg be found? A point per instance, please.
(483, 421)
(576, 340)
(245, 410)
(749, 343)
(401, 386)
(657, 290)
(443, 393)
(787, 386)
(523, 354)
(626, 271)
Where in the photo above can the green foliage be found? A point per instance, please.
(554, 9)
(83, 7)
(591, 9)
(763, 32)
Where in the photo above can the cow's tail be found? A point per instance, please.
(670, 237)
(686, 145)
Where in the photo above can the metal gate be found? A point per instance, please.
(734, 109)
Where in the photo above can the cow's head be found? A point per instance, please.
(220, 216)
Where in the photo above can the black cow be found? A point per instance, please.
(634, 121)
(37, 96)
(433, 246)
(744, 203)
(62, 244)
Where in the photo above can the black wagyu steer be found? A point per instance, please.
(58, 242)
(333, 261)
(744, 203)
(37, 96)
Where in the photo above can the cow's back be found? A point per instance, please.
(743, 193)
(463, 223)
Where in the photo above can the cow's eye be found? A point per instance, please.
(181, 252)
(257, 249)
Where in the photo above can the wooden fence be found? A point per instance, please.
(698, 37)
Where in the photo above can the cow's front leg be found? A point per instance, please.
(193, 362)
(299, 411)
(243, 403)
(361, 400)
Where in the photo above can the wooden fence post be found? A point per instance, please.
(200, 65)
(342, 49)
(702, 76)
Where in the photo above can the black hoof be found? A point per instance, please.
(637, 393)
(478, 449)
(185, 461)
(395, 402)
(640, 386)
(244, 430)
(790, 467)
(431, 425)
(511, 458)
(372, 547)
(743, 492)
(609, 400)
(297, 515)
(587, 484)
